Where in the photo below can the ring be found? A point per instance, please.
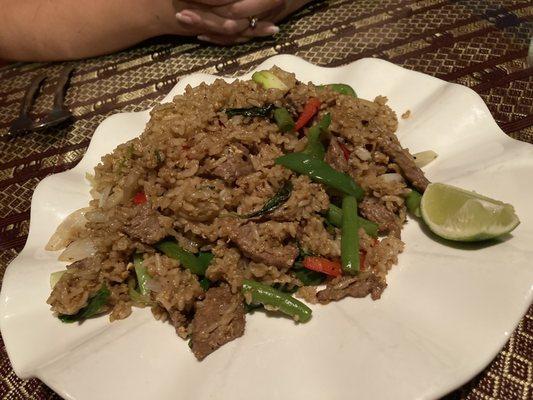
(253, 22)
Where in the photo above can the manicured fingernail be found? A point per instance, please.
(272, 30)
(185, 18)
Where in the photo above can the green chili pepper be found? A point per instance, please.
(350, 236)
(412, 201)
(314, 147)
(251, 111)
(283, 119)
(196, 264)
(275, 202)
(334, 217)
(321, 172)
(341, 88)
(284, 302)
(93, 307)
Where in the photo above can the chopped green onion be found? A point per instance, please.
(268, 80)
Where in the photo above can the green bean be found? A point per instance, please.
(283, 119)
(412, 201)
(314, 147)
(93, 307)
(268, 296)
(350, 236)
(142, 274)
(334, 217)
(196, 264)
(321, 172)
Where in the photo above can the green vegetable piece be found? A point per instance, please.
(309, 277)
(321, 172)
(342, 88)
(283, 119)
(196, 264)
(251, 111)
(350, 236)
(334, 217)
(205, 283)
(159, 157)
(142, 274)
(412, 201)
(93, 307)
(136, 296)
(268, 80)
(268, 296)
(314, 147)
(275, 202)
(205, 258)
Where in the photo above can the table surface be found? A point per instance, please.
(480, 44)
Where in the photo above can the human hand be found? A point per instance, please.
(226, 22)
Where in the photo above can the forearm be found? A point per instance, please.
(43, 30)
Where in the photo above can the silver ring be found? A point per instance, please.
(253, 22)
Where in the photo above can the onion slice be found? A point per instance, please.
(78, 250)
(68, 230)
(424, 158)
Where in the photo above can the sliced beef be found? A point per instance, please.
(147, 225)
(335, 156)
(256, 242)
(354, 286)
(372, 209)
(219, 319)
(406, 162)
(237, 164)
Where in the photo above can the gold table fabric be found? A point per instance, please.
(480, 44)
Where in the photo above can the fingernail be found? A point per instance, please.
(203, 38)
(272, 30)
(242, 40)
(185, 18)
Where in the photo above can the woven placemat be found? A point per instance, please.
(480, 44)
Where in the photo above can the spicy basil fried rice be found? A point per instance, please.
(201, 219)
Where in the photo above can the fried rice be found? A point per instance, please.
(192, 175)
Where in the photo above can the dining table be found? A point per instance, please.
(485, 45)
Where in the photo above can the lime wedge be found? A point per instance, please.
(457, 214)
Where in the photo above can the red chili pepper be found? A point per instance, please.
(310, 110)
(319, 264)
(140, 198)
(345, 151)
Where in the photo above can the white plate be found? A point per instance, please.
(445, 315)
